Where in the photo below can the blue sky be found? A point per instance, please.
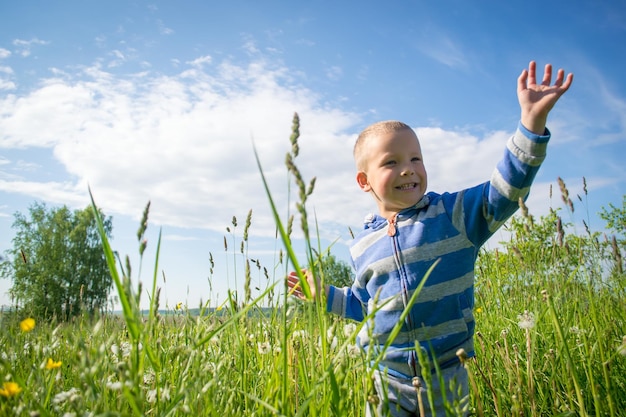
(162, 102)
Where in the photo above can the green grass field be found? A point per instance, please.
(551, 321)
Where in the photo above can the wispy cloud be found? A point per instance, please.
(442, 47)
(163, 29)
(24, 47)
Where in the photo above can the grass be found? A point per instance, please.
(549, 308)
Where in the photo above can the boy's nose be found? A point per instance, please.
(407, 171)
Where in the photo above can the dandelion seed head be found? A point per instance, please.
(264, 347)
(353, 351)
(349, 329)
(148, 377)
(526, 320)
(300, 334)
(72, 395)
(114, 386)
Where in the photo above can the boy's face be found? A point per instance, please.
(394, 171)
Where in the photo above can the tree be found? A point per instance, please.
(336, 272)
(615, 218)
(57, 264)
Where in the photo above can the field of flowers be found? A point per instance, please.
(550, 313)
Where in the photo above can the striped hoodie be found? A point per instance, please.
(390, 258)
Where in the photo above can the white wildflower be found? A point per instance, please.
(126, 349)
(353, 351)
(330, 333)
(72, 395)
(526, 320)
(151, 396)
(264, 347)
(334, 343)
(349, 329)
(300, 334)
(165, 394)
(114, 386)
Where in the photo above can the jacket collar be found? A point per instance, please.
(375, 221)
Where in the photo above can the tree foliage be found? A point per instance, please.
(57, 264)
(336, 272)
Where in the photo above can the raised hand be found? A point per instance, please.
(536, 100)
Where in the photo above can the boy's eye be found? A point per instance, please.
(390, 162)
(416, 159)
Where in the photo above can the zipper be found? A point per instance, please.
(392, 231)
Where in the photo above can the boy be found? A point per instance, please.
(412, 231)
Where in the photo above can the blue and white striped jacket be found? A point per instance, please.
(449, 227)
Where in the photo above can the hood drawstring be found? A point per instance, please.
(391, 230)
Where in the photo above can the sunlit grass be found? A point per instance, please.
(549, 309)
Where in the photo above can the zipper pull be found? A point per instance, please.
(391, 230)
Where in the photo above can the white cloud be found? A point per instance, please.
(199, 62)
(7, 85)
(24, 47)
(4, 53)
(185, 142)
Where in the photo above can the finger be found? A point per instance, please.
(532, 73)
(293, 282)
(568, 82)
(547, 75)
(560, 75)
(521, 81)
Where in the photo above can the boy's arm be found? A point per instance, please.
(340, 301)
(481, 210)
(536, 100)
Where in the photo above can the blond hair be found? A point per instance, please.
(378, 128)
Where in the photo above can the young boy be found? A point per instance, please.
(412, 231)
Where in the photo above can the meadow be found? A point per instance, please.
(551, 341)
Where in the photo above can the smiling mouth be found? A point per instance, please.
(409, 186)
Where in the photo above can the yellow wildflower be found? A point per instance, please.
(10, 389)
(52, 364)
(27, 324)
(479, 310)
(179, 306)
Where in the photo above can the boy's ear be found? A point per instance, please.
(361, 179)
